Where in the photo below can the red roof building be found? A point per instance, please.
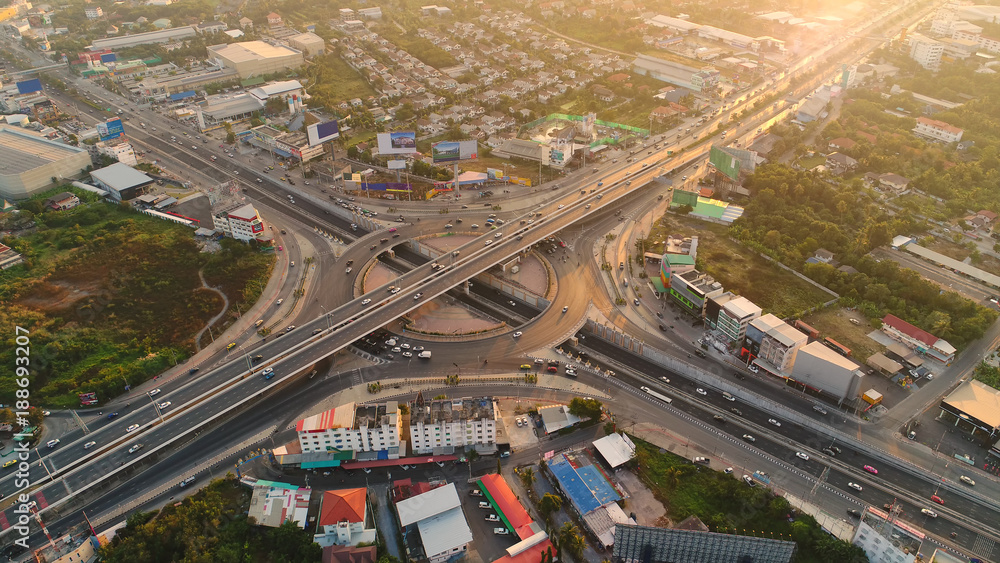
(349, 554)
(918, 339)
(343, 517)
(534, 541)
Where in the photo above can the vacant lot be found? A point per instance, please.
(739, 269)
(835, 323)
(113, 296)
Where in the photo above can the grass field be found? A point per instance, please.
(811, 162)
(835, 323)
(348, 84)
(740, 270)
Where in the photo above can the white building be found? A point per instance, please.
(283, 89)
(274, 504)
(926, 51)
(438, 426)
(937, 130)
(885, 539)
(122, 152)
(242, 223)
(93, 12)
(344, 518)
(821, 368)
(989, 44)
(734, 317)
(362, 428)
(438, 519)
(775, 341)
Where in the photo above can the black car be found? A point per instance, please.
(736, 411)
(854, 513)
(258, 357)
(828, 452)
(836, 449)
(193, 370)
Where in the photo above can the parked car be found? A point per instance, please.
(492, 518)
(701, 460)
(501, 531)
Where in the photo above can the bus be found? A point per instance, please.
(837, 347)
(655, 395)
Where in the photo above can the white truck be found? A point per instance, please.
(426, 354)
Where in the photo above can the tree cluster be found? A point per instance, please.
(209, 527)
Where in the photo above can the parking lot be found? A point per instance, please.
(488, 546)
(521, 437)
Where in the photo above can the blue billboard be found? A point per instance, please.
(109, 58)
(320, 133)
(29, 86)
(110, 129)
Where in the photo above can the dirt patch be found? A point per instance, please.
(836, 323)
(49, 296)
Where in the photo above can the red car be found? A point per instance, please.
(937, 499)
(871, 470)
(553, 369)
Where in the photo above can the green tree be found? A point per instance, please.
(549, 504)
(527, 477)
(585, 408)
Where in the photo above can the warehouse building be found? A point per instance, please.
(309, 43)
(152, 37)
(122, 182)
(821, 368)
(255, 58)
(29, 161)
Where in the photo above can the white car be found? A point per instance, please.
(404, 346)
(728, 471)
(856, 487)
(52, 443)
(967, 480)
(395, 290)
(366, 301)
(665, 379)
(518, 422)
(418, 348)
(701, 391)
(154, 392)
(164, 405)
(135, 448)
(928, 512)
(418, 296)
(407, 354)
(489, 242)
(132, 428)
(561, 206)
(89, 445)
(773, 422)
(501, 531)
(802, 455)
(517, 334)
(498, 235)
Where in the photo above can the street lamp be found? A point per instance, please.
(155, 406)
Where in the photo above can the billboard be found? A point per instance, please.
(109, 58)
(110, 129)
(453, 151)
(320, 133)
(494, 174)
(29, 86)
(397, 164)
(398, 142)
